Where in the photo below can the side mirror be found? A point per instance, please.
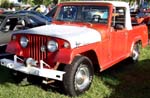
(119, 27)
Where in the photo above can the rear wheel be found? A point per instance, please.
(135, 53)
(78, 76)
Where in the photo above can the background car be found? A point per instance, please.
(49, 19)
(2, 10)
(52, 12)
(48, 16)
(17, 21)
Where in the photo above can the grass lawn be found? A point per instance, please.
(124, 80)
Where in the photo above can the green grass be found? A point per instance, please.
(124, 80)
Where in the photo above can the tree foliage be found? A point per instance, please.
(6, 4)
(29, 1)
(37, 2)
(45, 2)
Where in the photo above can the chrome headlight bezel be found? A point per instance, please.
(24, 41)
(52, 46)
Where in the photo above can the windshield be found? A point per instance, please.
(93, 14)
(1, 19)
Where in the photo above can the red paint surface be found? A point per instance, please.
(115, 46)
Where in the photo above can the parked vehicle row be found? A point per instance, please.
(47, 18)
(2, 10)
(11, 21)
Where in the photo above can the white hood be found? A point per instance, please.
(77, 36)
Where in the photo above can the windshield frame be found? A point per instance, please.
(80, 8)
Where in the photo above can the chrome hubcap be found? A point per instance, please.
(135, 54)
(82, 77)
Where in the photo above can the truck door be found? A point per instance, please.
(119, 34)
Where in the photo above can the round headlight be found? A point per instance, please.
(52, 46)
(24, 42)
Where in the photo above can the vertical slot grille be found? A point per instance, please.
(35, 47)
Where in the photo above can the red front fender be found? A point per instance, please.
(64, 56)
(13, 47)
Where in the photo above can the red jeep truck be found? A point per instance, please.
(83, 35)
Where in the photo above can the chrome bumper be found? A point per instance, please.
(42, 72)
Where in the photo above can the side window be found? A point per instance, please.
(20, 23)
(34, 21)
(118, 18)
(10, 24)
(1, 19)
(6, 26)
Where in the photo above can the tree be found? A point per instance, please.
(45, 2)
(28, 1)
(37, 2)
(6, 4)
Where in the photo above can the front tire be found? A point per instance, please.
(78, 76)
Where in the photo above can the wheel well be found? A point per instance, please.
(93, 57)
(136, 42)
(140, 43)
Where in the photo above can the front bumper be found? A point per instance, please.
(42, 72)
